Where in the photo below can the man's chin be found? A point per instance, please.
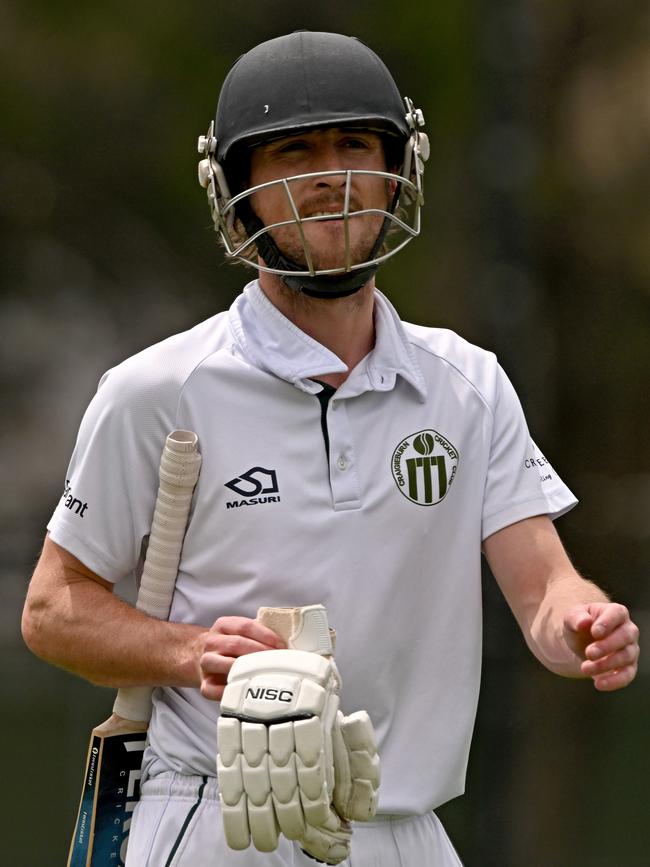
(327, 248)
(332, 262)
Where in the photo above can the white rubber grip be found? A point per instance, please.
(179, 470)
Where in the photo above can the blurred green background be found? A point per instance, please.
(535, 245)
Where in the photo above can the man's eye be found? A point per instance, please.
(290, 147)
(356, 143)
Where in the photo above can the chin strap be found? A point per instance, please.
(331, 285)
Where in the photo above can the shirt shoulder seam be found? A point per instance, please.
(189, 376)
(418, 345)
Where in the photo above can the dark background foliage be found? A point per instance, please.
(535, 245)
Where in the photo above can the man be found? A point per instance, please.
(348, 458)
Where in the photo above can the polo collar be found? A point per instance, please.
(271, 342)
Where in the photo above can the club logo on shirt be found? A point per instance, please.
(251, 484)
(424, 465)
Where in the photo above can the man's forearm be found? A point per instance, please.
(543, 590)
(78, 624)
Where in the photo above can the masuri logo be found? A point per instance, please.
(252, 483)
(257, 480)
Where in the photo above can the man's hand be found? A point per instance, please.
(605, 638)
(229, 638)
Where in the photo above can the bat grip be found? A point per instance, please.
(133, 703)
(179, 470)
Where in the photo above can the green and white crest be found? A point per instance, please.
(424, 465)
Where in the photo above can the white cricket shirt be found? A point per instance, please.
(429, 454)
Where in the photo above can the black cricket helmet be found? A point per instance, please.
(302, 82)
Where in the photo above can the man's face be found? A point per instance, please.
(323, 150)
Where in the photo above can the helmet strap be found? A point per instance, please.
(266, 246)
(331, 285)
(381, 237)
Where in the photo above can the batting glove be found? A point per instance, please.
(288, 760)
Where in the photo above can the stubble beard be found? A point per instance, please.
(325, 241)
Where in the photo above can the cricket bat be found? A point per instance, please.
(112, 780)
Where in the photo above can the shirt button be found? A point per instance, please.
(341, 463)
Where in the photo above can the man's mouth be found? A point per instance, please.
(333, 213)
(332, 209)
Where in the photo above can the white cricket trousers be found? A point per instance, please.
(177, 823)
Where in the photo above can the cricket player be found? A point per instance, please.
(349, 459)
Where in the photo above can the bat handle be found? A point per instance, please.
(179, 470)
(133, 703)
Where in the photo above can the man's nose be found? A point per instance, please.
(329, 160)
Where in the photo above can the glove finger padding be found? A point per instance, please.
(275, 761)
(356, 767)
(356, 787)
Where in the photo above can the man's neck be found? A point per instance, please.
(344, 325)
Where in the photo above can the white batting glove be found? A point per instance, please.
(288, 760)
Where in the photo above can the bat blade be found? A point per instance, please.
(110, 792)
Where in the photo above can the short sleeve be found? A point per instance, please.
(520, 480)
(110, 487)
